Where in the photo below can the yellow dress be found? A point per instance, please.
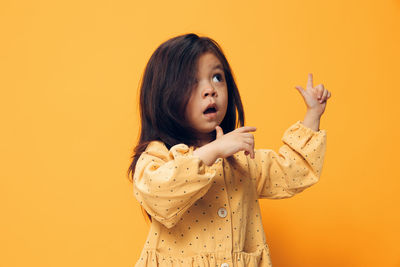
(210, 215)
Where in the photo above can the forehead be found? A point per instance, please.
(208, 61)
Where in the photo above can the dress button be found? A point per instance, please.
(222, 212)
(224, 264)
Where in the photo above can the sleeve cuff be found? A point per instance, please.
(298, 135)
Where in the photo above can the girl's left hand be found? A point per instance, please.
(315, 98)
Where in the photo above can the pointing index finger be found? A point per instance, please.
(310, 81)
(246, 129)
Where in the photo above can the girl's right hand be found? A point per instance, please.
(232, 142)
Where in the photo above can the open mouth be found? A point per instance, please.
(210, 111)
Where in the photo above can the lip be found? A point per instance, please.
(211, 115)
(212, 105)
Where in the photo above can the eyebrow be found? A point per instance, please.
(218, 66)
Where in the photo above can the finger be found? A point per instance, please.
(320, 90)
(249, 141)
(247, 135)
(253, 154)
(251, 150)
(247, 148)
(324, 94)
(310, 81)
(329, 94)
(300, 89)
(246, 129)
(219, 131)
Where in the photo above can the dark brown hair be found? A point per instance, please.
(167, 84)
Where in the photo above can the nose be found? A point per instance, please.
(209, 91)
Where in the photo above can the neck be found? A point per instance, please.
(204, 139)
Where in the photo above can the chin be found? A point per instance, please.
(207, 131)
(208, 127)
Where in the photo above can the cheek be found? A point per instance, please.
(190, 112)
(187, 113)
(224, 102)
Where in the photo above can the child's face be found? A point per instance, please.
(210, 90)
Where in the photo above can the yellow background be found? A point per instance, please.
(69, 76)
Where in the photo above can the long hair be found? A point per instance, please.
(167, 84)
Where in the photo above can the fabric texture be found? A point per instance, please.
(210, 215)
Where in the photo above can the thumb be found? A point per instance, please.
(301, 90)
(219, 131)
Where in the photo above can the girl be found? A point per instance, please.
(198, 186)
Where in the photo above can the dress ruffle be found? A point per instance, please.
(258, 258)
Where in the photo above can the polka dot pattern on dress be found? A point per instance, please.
(210, 215)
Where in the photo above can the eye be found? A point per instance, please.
(219, 77)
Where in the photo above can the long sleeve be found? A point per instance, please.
(296, 166)
(168, 182)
